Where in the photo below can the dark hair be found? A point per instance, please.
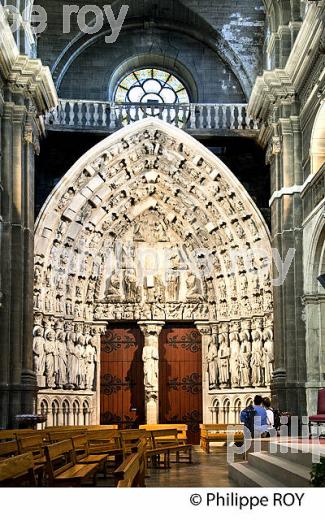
(267, 402)
(258, 400)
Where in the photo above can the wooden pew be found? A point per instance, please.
(106, 442)
(63, 470)
(168, 438)
(102, 427)
(219, 433)
(8, 449)
(132, 472)
(131, 438)
(62, 435)
(34, 445)
(8, 435)
(83, 456)
(17, 470)
(181, 429)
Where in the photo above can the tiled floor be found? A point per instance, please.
(205, 471)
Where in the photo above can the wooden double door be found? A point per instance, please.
(180, 377)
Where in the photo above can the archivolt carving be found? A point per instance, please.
(147, 225)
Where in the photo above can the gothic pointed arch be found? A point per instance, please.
(149, 225)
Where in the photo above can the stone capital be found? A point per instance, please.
(204, 327)
(151, 328)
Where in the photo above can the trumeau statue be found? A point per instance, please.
(150, 359)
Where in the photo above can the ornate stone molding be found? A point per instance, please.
(27, 75)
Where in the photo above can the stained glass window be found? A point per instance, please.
(152, 87)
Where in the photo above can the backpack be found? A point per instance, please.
(277, 418)
(247, 417)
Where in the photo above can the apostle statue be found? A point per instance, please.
(90, 359)
(212, 360)
(72, 361)
(234, 359)
(39, 355)
(268, 357)
(61, 359)
(50, 350)
(256, 359)
(244, 358)
(223, 357)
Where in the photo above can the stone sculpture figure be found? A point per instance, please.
(131, 288)
(234, 359)
(268, 355)
(244, 358)
(80, 354)
(90, 359)
(150, 359)
(212, 360)
(113, 287)
(72, 362)
(173, 286)
(61, 360)
(223, 358)
(39, 355)
(50, 351)
(193, 288)
(256, 359)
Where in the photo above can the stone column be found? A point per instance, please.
(26, 92)
(206, 329)
(96, 333)
(151, 331)
(288, 388)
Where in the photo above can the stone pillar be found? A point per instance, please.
(96, 333)
(26, 92)
(206, 329)
(151, 331)
(288, 388)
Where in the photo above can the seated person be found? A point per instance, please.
(254, 418)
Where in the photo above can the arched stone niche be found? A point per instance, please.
(150, 226)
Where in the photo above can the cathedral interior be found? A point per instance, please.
(162, 211)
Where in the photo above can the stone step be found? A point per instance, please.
(281, 469)
(295, 453)
(245, 475)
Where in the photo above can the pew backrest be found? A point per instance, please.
(19, 468)
(60, 457)
(8, 449)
